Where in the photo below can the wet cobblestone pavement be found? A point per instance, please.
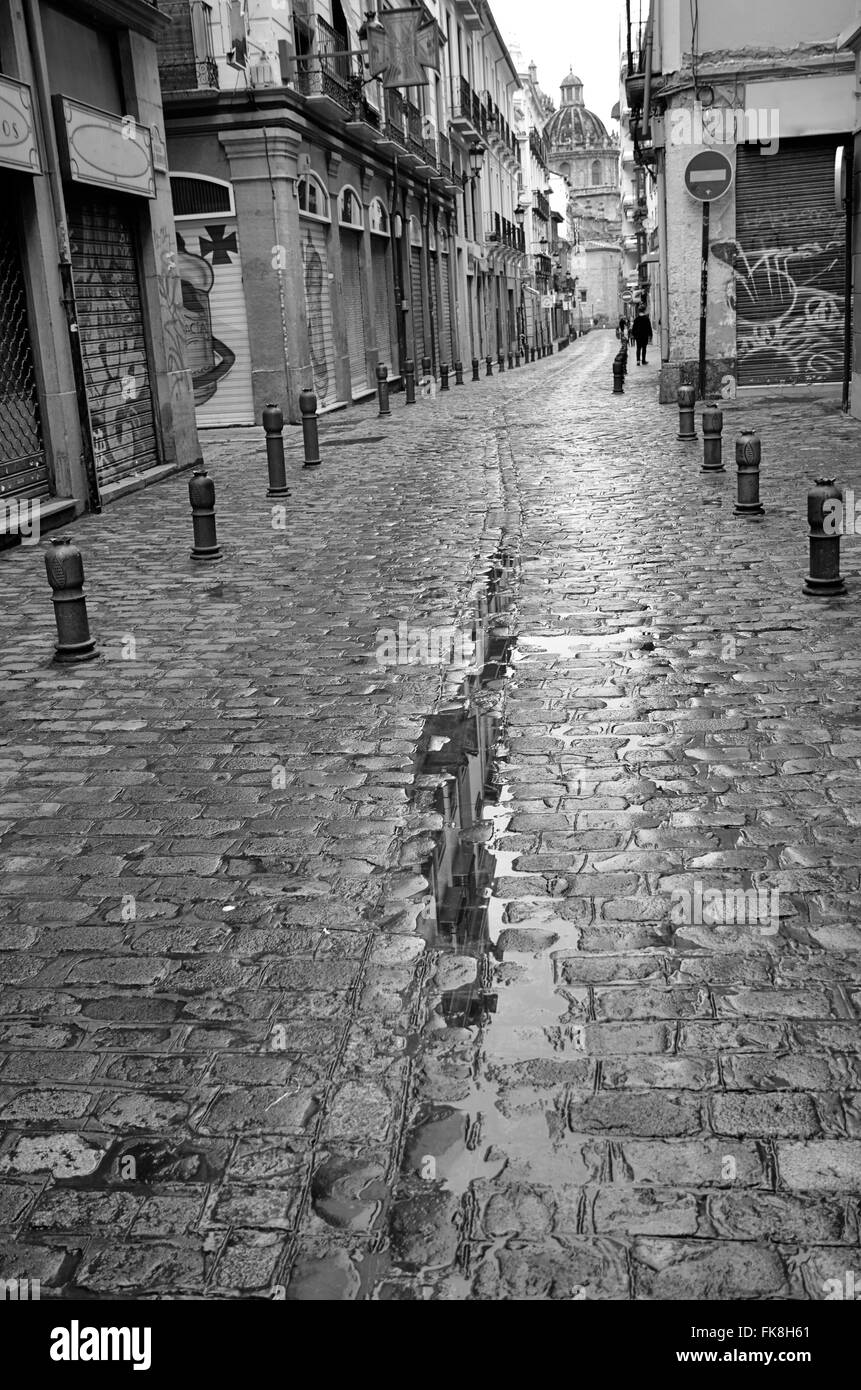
(246, 1051)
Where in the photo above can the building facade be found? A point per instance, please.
(586, 157)
(770, 88)
(327, 224)
(95, 393)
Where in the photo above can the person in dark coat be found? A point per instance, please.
(641, 332)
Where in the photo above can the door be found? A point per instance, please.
(318, 310)
(789, 261)
(216, 322)
(23, 469)
(417, 301)
(355, 308)
(113, 340)
(437, 333)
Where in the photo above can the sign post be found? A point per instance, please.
(707, 178)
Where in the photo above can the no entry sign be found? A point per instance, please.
(708, 176)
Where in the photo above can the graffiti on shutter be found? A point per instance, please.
(110, 319)
(318, 311)
(216, 324)
(788, 261)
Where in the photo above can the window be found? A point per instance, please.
(313, 198)
(596, 174)
(350, 208)
(196, 196)
(379, 218)
(415, 232)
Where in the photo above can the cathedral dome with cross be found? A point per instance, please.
(574, 126)
(586, 155)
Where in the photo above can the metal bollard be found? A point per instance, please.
(383, 390)
(510, 360)
(618, 376)
(426, 366)
(410, 381)
(623, 353)
(687, 410)
(500, 358)
(532, 358)
(443, 376)
(517, 358)
(488, 362)
(201, 495)
(65, 569)
(713, 439)
(273, 424)
(826, 527)
(748, 456)
(458, 374)
(475, 369)
(310, 434)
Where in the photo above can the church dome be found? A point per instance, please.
(573, 126)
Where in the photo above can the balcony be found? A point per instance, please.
(185, 52)
(467, 115)
(541, 206)
(469, 11)
(539, 147)
(327, 76)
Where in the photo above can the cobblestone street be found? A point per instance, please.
(237, 1057)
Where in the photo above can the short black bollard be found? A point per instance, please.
(273, 424)
(488, 362)
(517, 358)
(383, 390)
(458, 374)
(618, 376)
(476, 376)
(410, 381)
(623, 353)
(201, 495)
(825, 515)
(426, 367)
(65, 569)
(532, 358)
(510, 360)
(310, 434)
(713, 439)
(443, 376)
(748, 456)
(687, 411)
(500, 361)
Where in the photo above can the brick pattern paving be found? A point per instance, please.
(221, 1070)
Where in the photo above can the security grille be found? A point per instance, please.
(23, 471)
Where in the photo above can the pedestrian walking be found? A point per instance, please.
(641, 333)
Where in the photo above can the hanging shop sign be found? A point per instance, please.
(108, 151)
(18, 148)
(402, 45)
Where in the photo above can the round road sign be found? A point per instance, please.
(708, 176)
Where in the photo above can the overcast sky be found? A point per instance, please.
(559, 34)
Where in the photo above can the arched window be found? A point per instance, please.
(313, 198)
(197, 195)
(416, 232)
(350, 208)
(596, 173)
(379, 218)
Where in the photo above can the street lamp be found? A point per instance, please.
(476, 161)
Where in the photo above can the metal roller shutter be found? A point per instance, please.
(434, 282)
(417, 300)
(382, 322)
(23, 471)
(354, 308)
(111, 323)
(789, 265)
(318, 310)
(216, 322)
(445, 335)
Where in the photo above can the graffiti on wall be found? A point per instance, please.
(314, 276)
(789, 307)
(209, 359)
(170, 304)
(107, 291)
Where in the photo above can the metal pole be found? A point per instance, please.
(847, 313)
(704, 297)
